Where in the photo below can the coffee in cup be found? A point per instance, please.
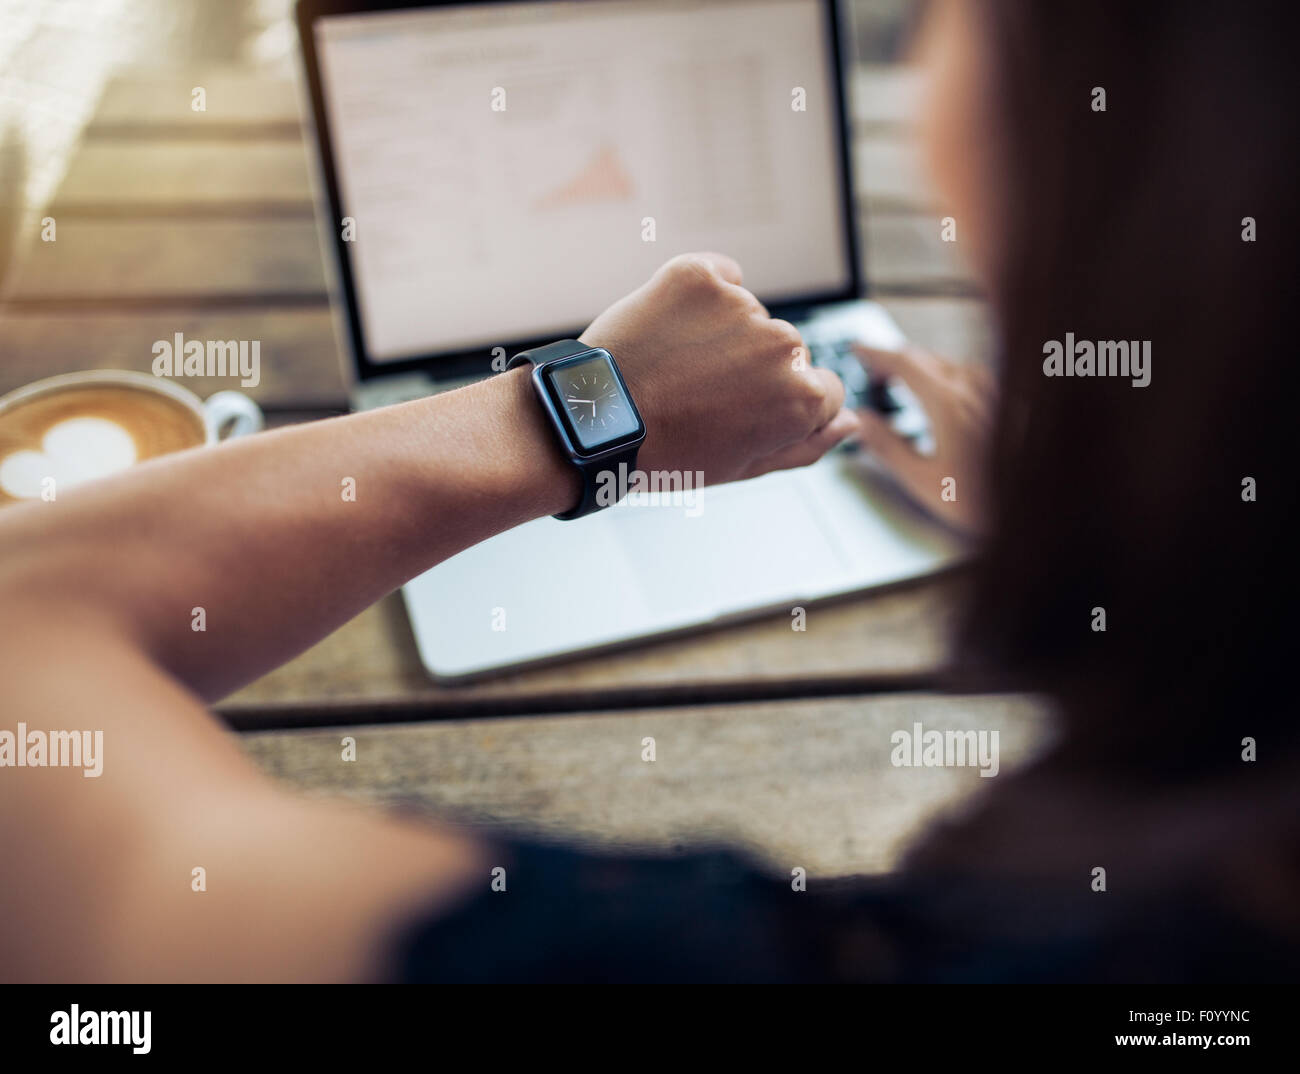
(64, 431)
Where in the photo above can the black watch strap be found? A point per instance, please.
(565, 348)
(592, 481)
(620, 465)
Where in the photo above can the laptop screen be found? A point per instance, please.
(508, 170)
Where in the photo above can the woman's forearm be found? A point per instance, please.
(281, 538)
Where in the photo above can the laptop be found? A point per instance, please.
(493, 175)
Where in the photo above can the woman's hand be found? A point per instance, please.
(958, 400)
(723, 387)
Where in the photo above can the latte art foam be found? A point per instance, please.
(77, 434)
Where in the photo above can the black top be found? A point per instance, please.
(572, 916)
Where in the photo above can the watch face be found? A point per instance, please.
(589, 393)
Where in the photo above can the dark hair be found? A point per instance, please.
(1127, 224)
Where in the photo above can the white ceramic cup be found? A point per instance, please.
(223, 415)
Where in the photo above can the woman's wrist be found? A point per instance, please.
(535, 472)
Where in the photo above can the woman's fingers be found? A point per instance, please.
(921, 371)
(957, 400)
(832, 399)
(914, 470)
(807, 451)
(726, 267)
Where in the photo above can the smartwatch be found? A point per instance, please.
(588, 405)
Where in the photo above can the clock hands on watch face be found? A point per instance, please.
(603, 403)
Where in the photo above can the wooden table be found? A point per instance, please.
(201, 223)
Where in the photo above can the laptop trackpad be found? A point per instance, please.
(739, 546)
(550, 587)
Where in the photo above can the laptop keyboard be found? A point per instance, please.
(861, 391)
